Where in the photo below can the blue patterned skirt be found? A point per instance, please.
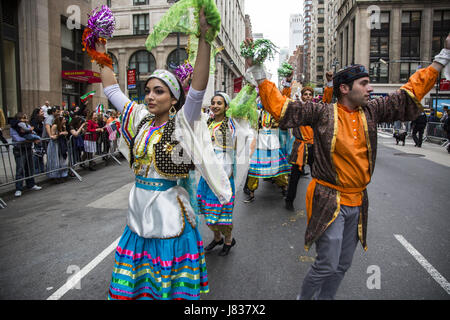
(159, 269)
(215, 212)
(268, 164)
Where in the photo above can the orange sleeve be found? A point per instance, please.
(286, 92)
(327, 94)
(272, 99)
(421, 82)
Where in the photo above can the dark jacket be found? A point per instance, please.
(420, 122)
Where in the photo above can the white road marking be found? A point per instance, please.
(115, 200)
(83, 272)
(424, 263)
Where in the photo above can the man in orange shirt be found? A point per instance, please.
(301, 153)
(345, 146)
(328, 91)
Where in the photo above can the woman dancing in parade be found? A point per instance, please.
(269, 160)
(224, 135)
(160, 254)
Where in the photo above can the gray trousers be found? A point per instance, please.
(335, 249)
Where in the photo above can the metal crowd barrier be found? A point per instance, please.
(21, 161)
(435, 132)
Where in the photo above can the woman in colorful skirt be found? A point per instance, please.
(224, 132)
(160, 254)
(268, 161)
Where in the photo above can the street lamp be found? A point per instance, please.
(178, 36)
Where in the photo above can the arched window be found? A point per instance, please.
(143, 61)
(173, 62)
(115, 63)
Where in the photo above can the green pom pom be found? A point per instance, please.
(243, 106)
(183, 17)
(285, 70)
(261, 50)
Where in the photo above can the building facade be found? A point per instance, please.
(317, 43)
(41, 56)
(392, 38)
(307, 26)
(295, 32)
(135, 20)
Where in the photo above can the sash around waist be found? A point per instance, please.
(154, 184)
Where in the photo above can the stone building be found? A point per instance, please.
(40, 43)
(135, 20)
(391, 38)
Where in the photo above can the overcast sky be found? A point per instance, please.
(271, 18)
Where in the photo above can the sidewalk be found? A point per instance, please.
(431, 151)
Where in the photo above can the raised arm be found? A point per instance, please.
(193, 106)
(110, 85)
(405, 104)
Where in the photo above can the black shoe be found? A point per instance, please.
(226, 248)
(92, 169)
(213, 244)
(303, 173)
(246, 190)
(250, 198)
(289, 205)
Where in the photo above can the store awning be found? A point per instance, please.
(82, 76)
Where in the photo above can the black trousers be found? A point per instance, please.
(293, 182)
(418, 141)
(296, 174)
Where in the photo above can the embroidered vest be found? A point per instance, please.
(163, 152)
(222, 137)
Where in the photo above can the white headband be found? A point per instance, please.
(225, 97)
(169, 79)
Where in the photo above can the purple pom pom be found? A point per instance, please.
(183, 71)
(102, 24)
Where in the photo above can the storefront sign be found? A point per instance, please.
(237, 84)
(444, 85)
(131, 78)
(82, 76)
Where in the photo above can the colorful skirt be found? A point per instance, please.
(215, 212)
(159, 269)
(268, 164)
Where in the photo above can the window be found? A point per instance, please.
(320, 20)
(379, 49)
(321, 11)
(320, 40)
(441, 21)
(139, 2)
(319, 68)
(173, 61)
(115, 63)
(320, 59)
(143, 61)
(140, 24)
(320, 49)
(410, 43)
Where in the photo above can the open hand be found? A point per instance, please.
(203, 23)
(100, 47)
(249, 43)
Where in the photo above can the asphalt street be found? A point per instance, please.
(47, 236)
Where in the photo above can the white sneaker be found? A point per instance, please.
(36, 187)
(18, 193)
